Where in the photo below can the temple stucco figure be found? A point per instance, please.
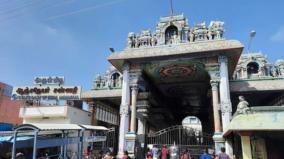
(200, 31)
(216, 29)
(191, 36)
(254, 65)
(242, 107)
(137, 42)
(280, 67)
(175, 30)
(131, 40)
(154, 40)
(111, 79)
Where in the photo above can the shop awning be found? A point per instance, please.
(264, 121)
(48, 127)
(92, 127)
(53, 127)
(10, 138)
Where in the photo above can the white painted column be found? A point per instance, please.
(226, 105)
(134, 92)
(124, 109)
(141, 126)
(246, 147)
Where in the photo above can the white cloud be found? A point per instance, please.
(279, 35)
(51, 31)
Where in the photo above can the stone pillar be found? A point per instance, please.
(218, 137)
(141, 126)
(134, 92)
(92, 110)
(246, 147)
(245, 73)
(141, 146)
(226, 105)
(124, 109)
(131, 137)
(215, 99)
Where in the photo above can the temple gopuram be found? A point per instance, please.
(178, 70)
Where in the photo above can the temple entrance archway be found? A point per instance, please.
(178, 88)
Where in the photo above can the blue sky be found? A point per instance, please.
(71, 37)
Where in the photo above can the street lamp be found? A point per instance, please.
(111, 50)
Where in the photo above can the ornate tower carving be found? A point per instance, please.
(173, 30)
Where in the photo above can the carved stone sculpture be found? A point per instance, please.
(191, 36)
(175, 30)
(98, 81)
(280, 67)
(175, 39)
(129, 43)
(274, 72)
(242, 107)
(216, 28)
(131, 40)
(137, 42)
(154, 40)
(254, 65)
(200, 31)
(209, 35)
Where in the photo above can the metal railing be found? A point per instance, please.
(185, 138)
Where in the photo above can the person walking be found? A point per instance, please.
(108, 156)
(205, 155)
(149, 154)
(125, 155)
(214, 155)
(164, 152)
(223, 154)
(100, 155)
(155, 152)
(185, 155)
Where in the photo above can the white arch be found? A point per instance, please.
(192, 122)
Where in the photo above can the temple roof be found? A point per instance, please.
(231, 48)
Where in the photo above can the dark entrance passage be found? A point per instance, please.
(274, 145)
(195, 141)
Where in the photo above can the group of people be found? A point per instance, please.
(221, 155)
(172, 153)
(165, 153)
(109, 155)
(156, 153)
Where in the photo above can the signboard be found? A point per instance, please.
(95, 139)
(46, 93)
(49, 80)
